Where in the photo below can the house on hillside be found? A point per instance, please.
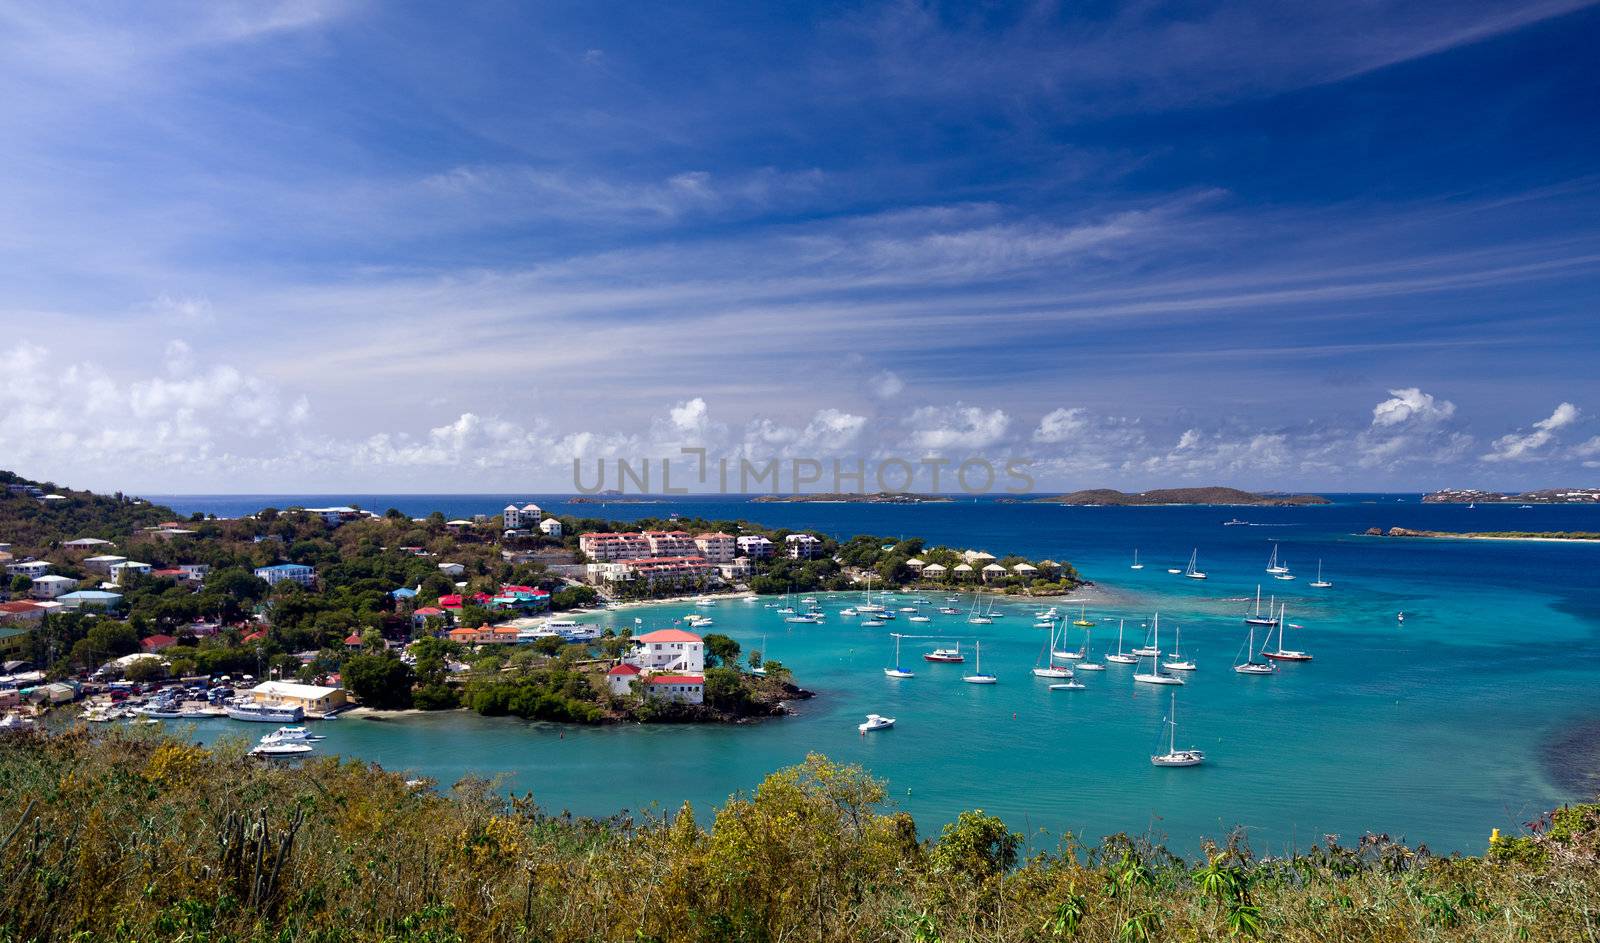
(287, 572)
(50, 587)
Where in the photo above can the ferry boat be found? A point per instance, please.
(267, 713)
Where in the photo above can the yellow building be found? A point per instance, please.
(310, 698)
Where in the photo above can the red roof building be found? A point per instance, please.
(156, 643)
(353, 640)
(667, 635)
(622, 671)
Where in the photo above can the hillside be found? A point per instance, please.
(1212, 495)
(1542, 496)
(31, 525)
(877, 497)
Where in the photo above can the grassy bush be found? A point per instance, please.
(122, 836)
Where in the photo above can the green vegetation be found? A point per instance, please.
(128, 837)
(1211, 495)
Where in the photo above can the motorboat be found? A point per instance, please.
(291, 735)
(951, 656)
(265, 713)
(876, 722)
(281, 749)
(1069, 686)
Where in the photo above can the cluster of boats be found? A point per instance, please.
(1279, 569)
(285, 743)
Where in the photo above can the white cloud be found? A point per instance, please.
(1410, 405)
(886, 384)
(1059, 425)
(939, 429)
(1527, 446)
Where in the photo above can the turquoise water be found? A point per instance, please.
(1436, 729)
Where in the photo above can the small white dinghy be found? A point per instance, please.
(1069, 686)
(875, 722)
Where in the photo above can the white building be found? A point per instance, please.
(195, 572)
(736, 569)
(120, 572)
(619, 680)
(802, 546)
(103, 563)
(49, 587)
(755, 546)
(650, 569)
(290, 572)
(717, 548)
(550, 527)
(528, 515)
(32, 569)
(311, 698)
(993, 571)
(452, 569)
(934, 571)
(684, 689)
(86, 543)
(602, 547)
(671, 650)
(333, 517)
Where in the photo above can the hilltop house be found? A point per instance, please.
(32, 569)
(550, 527)
(120, 572)
(103, 563)
(86, 543)
(528, 515)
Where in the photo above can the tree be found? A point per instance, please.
(144, 669)
(380, 680)
(725, 690)
(976, 844)
(549, 644)
(724, 649)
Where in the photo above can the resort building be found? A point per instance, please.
(1025, 570)
(755, 546)
(50, 587)
(671, 543)
(916, 564)
(802, 546)
(652, 570)
(717, 548)
(311, 698)
(963, 571)
(484, 635)
(934, 571)
(452, 569)
(976, 557)
(103, 563)
(603, 547)
(550, 527)
(671, 650)
(287, 572)
(32, 569)
(736, 569)
(518, 518)
(993, 571)
(619, 680)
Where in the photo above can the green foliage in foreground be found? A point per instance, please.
(128, 837)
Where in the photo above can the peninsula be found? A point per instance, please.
(1579, 536)
(876, 497)
(1200, 496)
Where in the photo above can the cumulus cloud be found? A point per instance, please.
(938, 428)
(1410, 405)
(1059, 425)
(1527, 446)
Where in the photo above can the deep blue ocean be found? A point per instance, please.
(1477, 711)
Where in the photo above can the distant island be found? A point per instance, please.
(1220, 496)
(1575, 535)
(876, 497)
(1544, 496)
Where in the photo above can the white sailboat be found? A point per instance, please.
(1148, 649)
(1136, 564)
(761, 672)
(1155, 675)
(1175, 756)
(1283, 654)
(1273, 566)
(1047, 667)
(978, 677)
(1177, 662)
(1193, 573)
(1250, 666)
(1085, 663)
(1121, 658)
(897, 671)
(1320, 583)
(974, 617)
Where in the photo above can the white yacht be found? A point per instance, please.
(266, 713)
(875, 722)
(1192, 572)
(1175, 756)
(281, 749)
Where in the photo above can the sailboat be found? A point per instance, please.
(1155, 675)
(1258, 618)
(762, 672)
(1084, 664)
(978, 677)
(1191, 572)
(1177, 662)
(974, 617)
(1175, 756)
(1083, 617)
(1147, 649)
(1283, 654)
(1047, 667)
(1273, 566)
(1320, 582)
(897, 671)
(1284, 573)
(1136, 564)
(919, 617)
(1250, 666)
(1120, 658)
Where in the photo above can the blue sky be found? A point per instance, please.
(308, 246)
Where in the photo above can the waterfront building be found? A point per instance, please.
(458, 527)
(736, 569)
(671, 650)
(671, 543)
(934, 571)
(1025, 570)
(652, 570)
(50, 587)
(993, 571)
(977, 557)
(717, 548)
(619, 680)
(291, 572)
(916, 564)
(755, 546)
(802, 546)
(963, 571)
(684, 689)
(310, 698)
(484, 635)
(517, 518)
